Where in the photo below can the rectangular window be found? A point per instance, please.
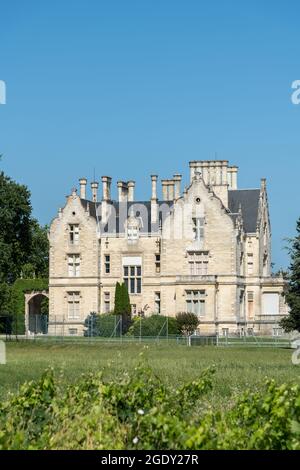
(270, 301)
(107, 264)
(133, 279)
(73, 234)
(250, 263)
(195, 302)
(74, 265)
(157, 263)
(225, 332)
(199, 228)
(73, 331)
(106, 302)
(250, 295)
(198, 263)
(73, 305)
(157, 302)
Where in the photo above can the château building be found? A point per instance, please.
(205, 250)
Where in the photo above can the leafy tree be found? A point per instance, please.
(39, 253)
(292, 294)
(187, 322)
(15, 228)
(5, 297)
(23, 243)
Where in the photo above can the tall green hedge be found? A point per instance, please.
(19, 289)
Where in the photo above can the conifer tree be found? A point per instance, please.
(125, 299)
(292, 295)
(118, 300)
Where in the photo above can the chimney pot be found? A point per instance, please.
(106, 183)
(131, 187)
(94, 186)
(83, 183)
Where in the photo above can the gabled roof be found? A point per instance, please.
(248, 200)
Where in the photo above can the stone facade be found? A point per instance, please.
(206, 250)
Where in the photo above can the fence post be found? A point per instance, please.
(121, 320)
(167, 330)
(140, 329)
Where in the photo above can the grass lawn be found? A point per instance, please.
(237, 369)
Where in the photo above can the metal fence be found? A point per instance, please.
(110, 328)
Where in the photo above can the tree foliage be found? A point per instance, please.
(122, 305)
(187, 322)
(24, 244)
(292, 294)
(15, 228)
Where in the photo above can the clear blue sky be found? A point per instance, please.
(132, 88)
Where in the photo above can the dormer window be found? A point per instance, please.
(73, 234)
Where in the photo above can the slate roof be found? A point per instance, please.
(121, 210)
(248, 199)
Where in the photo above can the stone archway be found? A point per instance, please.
(35, 321)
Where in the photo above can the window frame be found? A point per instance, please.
(73, 301)
(195, 302)
(132, 276)
(73, 234)
(107, 264)
(74, 265)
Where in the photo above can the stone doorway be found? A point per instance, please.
(36, 314)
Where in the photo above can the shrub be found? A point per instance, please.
(105, 325)
(154, 325)
(139, 411)
(187, 322)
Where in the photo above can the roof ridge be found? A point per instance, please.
(246, 189)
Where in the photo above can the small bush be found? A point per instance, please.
(105, 325)
(153, 326)
(187, 322)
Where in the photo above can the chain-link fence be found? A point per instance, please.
(111, 328)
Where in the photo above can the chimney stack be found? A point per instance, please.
(263, 184)
(171, 192)
(94, 186)
(154, 186)
(83, 183)
(193, 166)
(122, 191)
(154, 200)
(106, 183)
(177, 181)
(165, 190)
(131, 186)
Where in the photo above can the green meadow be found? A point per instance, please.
(237, 368)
